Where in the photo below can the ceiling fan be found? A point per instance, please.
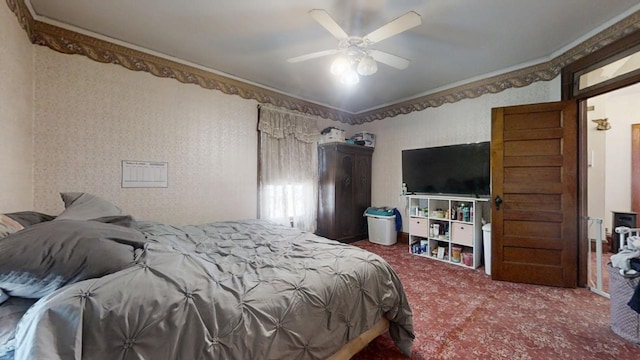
(355, 56)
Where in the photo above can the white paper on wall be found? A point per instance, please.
(144, 174)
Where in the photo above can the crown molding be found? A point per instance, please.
(514, 79)
(25, 19)
(70, 42)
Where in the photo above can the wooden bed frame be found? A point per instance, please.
(357, 344)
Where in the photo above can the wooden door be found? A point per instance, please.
(326, 192)
(344, 194)
(362, 193)
(534, 188)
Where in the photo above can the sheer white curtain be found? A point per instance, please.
(288, 179)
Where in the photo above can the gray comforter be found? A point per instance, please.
(229, 290)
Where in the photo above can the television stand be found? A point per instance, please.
(446, 228)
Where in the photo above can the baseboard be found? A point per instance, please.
(403, 238)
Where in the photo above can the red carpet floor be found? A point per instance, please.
(460, 313)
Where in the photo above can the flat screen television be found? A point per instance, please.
(463, 169)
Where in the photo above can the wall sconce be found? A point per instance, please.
(603, 124)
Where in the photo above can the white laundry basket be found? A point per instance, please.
(382, 229)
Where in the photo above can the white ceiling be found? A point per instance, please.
(459, 40)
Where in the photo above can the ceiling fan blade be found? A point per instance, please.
(390, 59)
(323, 18)
(394, 27)
(312, 55)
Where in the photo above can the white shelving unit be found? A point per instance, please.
(446, 228)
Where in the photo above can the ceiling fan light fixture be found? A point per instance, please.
(350, 77)
(354, 58)
(367, 66)
(340, 65)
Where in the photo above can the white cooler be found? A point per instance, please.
(382, 229)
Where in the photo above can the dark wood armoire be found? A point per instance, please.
(344, 190)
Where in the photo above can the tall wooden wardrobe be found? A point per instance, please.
(344, 191)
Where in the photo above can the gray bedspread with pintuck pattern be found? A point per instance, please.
(227, 290)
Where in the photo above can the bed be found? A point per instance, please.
(116, 288)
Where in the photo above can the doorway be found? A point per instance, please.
(612, 67)
(610, 119)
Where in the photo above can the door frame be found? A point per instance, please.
(570, 91)
(635, 169)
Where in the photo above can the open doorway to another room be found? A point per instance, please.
(613, 66)
(610, 118)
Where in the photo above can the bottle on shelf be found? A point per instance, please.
(417, 249)
(467, 258)
(456, 252)
(466, 215)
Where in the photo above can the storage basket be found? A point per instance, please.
(369, 138)
(624, 321)
(334, 135)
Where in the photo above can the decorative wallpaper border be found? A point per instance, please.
(70, 42)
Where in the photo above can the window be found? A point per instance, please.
(288, 173)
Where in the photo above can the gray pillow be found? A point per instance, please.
(8, 226)
(120, 220)
(47, 256)
(28, 218)
(85, 206)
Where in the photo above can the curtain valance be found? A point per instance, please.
(279, 123)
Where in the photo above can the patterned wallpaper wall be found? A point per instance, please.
(90, 116)
(462, 122)
(16, 104)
